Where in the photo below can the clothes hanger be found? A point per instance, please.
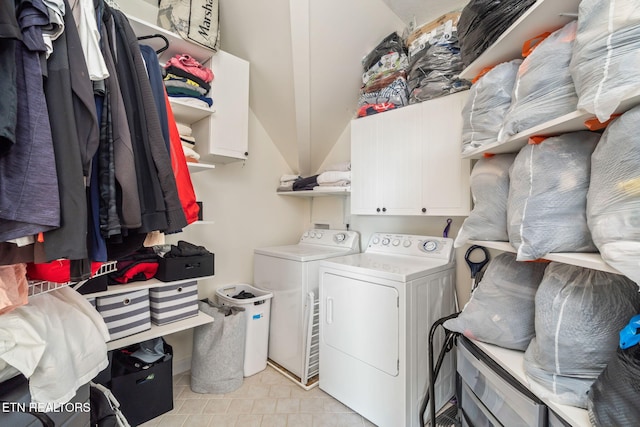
(152, 36)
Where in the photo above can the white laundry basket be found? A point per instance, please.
(257, 315)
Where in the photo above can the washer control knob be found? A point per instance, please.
(395, 242)
(340, 237)
(406, 243)
(429, 245)
(385, 241)
(306, 234)
(375, 240)
(312, 234)
(318, 235)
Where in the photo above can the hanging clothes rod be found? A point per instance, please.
(159, 36)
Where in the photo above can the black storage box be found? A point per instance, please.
(96, 284)
(147, 393)
(179, 268)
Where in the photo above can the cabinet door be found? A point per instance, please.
(364, 165)
(230, 122)
(445, 176)
(400, 164)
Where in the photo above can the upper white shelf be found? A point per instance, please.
(542, 16)
(571, 122)
(136, 286)
(177, 45)
(188, 114)
(513, 362)
(588, 260)
(318, 193)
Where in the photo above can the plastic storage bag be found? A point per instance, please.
(546, 211)
(483, 21)
(217, 364)
(501, 309)
(613, 397)
(613, 201)
(488, 102)
(578, 313)
(605, 59)
(544, 89)
(490, 192)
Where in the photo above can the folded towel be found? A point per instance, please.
(342, 183)
(184, 130)
(285, 186)
(188, 152)
(334, 176)
(344, 166)
(287, 178)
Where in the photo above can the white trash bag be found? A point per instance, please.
(488, 102)
(490, 192)
(578, 314)
(546, 211)
(606, 59)
(501, 309)
(613, 200)
(544, 89)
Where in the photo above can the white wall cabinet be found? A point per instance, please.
(407, 161)
(222, 131)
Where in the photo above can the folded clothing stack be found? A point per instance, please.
(188, 143)
(286, 182)
(384, 82)
(337, 176)
(187, 79)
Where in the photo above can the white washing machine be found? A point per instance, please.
(291, 274)
(376, 309)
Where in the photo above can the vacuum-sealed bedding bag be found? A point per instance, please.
(490, 192)
(613, 200)
(546, 210)
(606, 55)
(488, 102)
(501, 309)
(578, 313)
(544, 89)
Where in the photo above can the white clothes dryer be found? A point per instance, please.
(376, 309)
(291, 274)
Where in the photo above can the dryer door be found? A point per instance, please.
(361, 319)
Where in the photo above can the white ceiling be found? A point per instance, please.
(305, 63)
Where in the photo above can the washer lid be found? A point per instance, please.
(304, 252)
(398, 268)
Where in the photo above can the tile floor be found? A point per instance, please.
(267, 399)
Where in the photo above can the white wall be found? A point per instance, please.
(241, 199)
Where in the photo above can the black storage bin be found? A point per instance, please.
(178, 268)
(96, 284)
(144, 394)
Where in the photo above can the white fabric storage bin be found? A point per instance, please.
(126, 313)
(258, 312)
(174, 302)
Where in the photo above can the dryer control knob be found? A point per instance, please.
(396, 242)
(406, 243)
(340, 237)
(318, 235)
(385, 241)
(429, 245)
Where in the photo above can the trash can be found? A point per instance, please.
(257, 310)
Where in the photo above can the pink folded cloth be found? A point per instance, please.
(190, 65)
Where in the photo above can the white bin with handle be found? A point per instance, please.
(257, 309)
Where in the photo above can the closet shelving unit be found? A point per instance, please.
(155, 331)
(544, 15)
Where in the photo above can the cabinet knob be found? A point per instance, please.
(424, 210)
(246, 153)
(377, 209)
(384, 209)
